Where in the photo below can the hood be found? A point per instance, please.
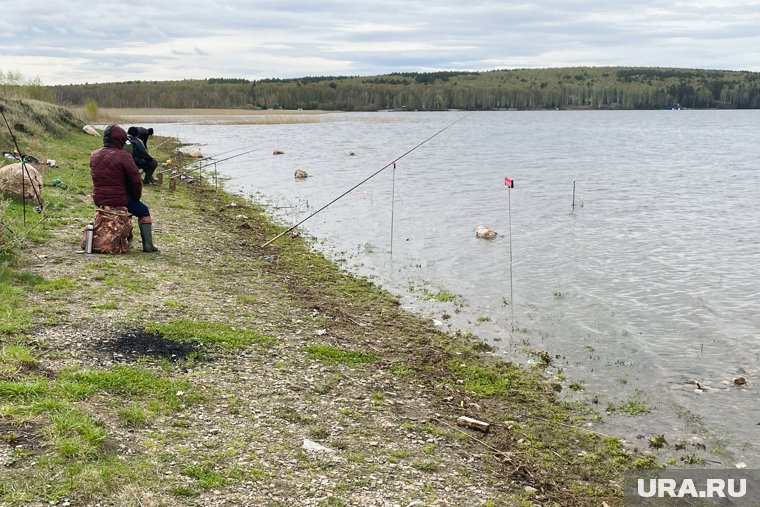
(114, 137)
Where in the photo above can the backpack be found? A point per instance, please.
(112, 231)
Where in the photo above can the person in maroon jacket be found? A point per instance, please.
(116, 181)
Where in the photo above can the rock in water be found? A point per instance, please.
(484, 232)
(196, 153)
(90, 130)
(11, 181)
(301, 174)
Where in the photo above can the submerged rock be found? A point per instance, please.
(484, 232)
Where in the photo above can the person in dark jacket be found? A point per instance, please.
(140, 154)
(116, 181)
(144, 134)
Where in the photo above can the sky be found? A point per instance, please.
(77, 41)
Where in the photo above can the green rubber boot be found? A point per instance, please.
(146, 232)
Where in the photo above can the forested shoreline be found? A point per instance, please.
(563, 88)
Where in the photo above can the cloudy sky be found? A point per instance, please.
(77, 41)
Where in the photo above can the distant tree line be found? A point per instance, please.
(576, 87)
(15, 85)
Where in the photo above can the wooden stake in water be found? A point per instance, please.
(393, 202)
(510, 185)
(573, 194)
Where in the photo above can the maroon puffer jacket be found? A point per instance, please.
(115, 176)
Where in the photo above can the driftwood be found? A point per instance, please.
(469, 422)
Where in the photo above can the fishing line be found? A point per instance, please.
(393, 203)
(364, 181)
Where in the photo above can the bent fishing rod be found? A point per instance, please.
(24, 171)
(389, 164)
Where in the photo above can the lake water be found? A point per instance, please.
(650, 282)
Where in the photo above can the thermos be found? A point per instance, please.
(88, 241)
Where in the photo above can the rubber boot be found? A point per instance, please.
(146, 232)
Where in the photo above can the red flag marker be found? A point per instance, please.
(509, 183)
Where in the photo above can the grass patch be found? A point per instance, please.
(209, 333)
(333, 355)
(170, 303)
(15, 359)
(204, 475)
(15, 315)
(133, 415)
(75, 433)
(125, 380)
(61, 285)
(23, 389)
(59, 479)
(498, 379)
(245, 299)
(402, 370)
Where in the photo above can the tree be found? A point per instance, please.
(91, 110)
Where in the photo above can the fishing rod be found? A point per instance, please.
(209, 157)
(229, 151)
(230, 157)
(210, 163)
(24, 170)
(393, 163)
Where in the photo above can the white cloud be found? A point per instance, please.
(77, 41)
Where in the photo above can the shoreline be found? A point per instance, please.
(203, 370)
(212, 116)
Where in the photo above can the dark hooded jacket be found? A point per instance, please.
(144, 134)
(115, 177)
(140, 153)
